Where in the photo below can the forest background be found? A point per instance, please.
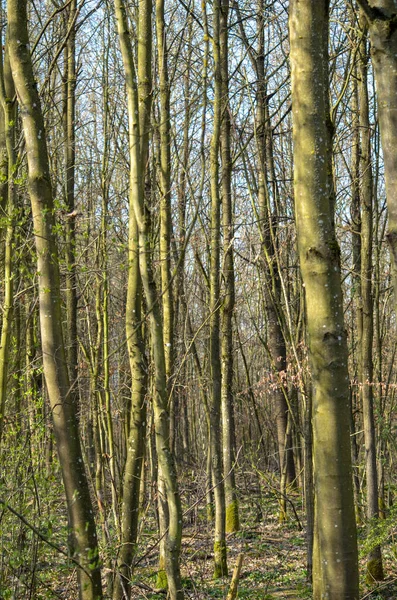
(197, 247)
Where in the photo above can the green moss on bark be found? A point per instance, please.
(162, 581)
(232, 520)
(210, 512)
(282, 515)
(382, 508)
(220, 569)
(374, 571)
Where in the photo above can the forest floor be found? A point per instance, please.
(274, 558)
(274, 554)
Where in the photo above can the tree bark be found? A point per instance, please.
(272, 291)
(356, 276)
(165, 269)
(69, 85)
(139, 119)
(335, 562)
(374, 563)
(220, 569)
(228, 425)
(7, 123)
(62, 398)
(381, 16)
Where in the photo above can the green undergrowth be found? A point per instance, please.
(274, 554)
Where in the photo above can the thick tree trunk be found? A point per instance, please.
(62, 397)
(335, 562)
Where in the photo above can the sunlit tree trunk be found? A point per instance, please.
(374, 564)
(165, 261)
(356, 274)
(228, 425)
(69, 91)
(139, 119)
(138, 367)
(62, 397)
(182, 441)
(335, 562)
(165, 199)
(381, 16)
(7, 124)
(214, 277)
(272, 292)
(137, 429)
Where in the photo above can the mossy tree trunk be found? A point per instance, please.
(374, 564)
(165, 203)
(267, 189)
(220, 569)
(69, 111)
(62, 397)
(335, 562)
(8, 204)
(381, 16)
(228, 424)
(355, 213)
(165, 262)
(137, 415)
(139, 95)
(135, 345)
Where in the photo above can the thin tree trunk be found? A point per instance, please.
(276, 340)
(374, 564)
(165, 203)
(228, 425)
(356, 275)
(138, 368)
(381, 16)
(220, 569)
(165, 262)
(8, 110)
(309, 488)
(70, 157)
(139, 119)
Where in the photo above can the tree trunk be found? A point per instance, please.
(165, 262)
(137, 418)
(335, 562)
(8, 119)
(70, 157)
(139, 119)
(381, 17)
(62, 397)
(220, 569)
(272, 292)
(356, 276)
(228, 425)
(374, 564)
